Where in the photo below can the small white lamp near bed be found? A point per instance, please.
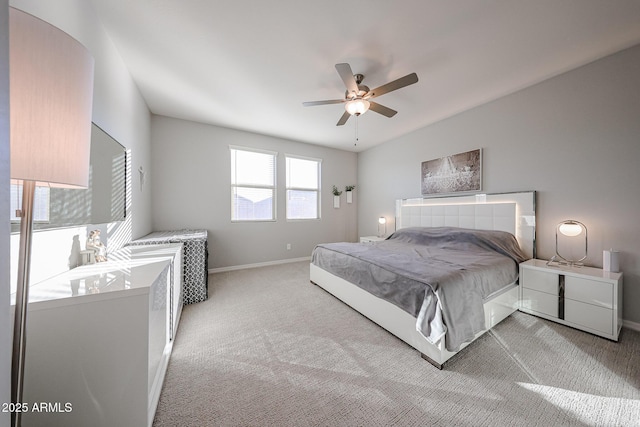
(571, 229)
(382, 226)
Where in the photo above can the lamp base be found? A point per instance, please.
(558, 260)
(22, 300)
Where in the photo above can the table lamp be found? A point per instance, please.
(382, 226)
(571, 229)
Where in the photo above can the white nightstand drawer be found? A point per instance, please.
(589, 316)
(369, 239)
(540, 281)
(589, 291)
(540, 302)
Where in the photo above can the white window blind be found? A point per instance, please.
(40, 203)
(303, 188)
(253, 186)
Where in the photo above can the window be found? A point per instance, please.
(303, 188)
(40, 203)
(253, 184)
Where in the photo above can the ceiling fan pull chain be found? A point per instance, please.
(356, 143)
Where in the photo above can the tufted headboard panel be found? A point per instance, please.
(511, 212)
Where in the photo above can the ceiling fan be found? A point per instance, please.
(357, 97)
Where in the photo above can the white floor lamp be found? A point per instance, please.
(51, 97)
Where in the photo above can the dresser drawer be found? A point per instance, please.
(540, 302)
(588, 316)
(540, 281)
(589, 291)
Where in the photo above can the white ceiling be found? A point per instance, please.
(249, 64)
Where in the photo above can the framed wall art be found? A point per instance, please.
(453, 174)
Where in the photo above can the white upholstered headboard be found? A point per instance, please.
(512, 212)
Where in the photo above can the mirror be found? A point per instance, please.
(102, 202)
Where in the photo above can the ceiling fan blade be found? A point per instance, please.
(407, 80)
(330, 101)
(381, 109)
(346, 75)
(343, 119)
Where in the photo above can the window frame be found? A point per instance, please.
(272, 187)
(293, 188)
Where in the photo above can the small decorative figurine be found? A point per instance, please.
(94, 243)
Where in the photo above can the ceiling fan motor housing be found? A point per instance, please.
(362, 90)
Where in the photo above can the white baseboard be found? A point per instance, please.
(631, 325)
(259, 264)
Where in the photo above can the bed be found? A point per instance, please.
(413, 283)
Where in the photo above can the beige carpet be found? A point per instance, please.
(270, 349)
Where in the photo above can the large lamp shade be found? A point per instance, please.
(51, 97)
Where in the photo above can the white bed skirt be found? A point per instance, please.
(402, 324)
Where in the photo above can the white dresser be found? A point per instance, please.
(585, 298)
(99, 339)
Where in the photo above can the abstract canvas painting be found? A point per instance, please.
(453, 174)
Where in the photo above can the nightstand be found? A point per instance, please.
(369, 239)
(584, 298)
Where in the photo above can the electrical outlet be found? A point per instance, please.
(288, 246)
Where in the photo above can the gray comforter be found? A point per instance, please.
(439, 275)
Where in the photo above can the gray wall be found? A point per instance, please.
(191, 189)
(5, 321)
(575, 139)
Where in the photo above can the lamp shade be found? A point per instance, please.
(51, 98)
(570, 228)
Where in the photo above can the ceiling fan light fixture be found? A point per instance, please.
(357, 106)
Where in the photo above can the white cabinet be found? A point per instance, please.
(585, 298)
(99, 340)
(175, 252)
